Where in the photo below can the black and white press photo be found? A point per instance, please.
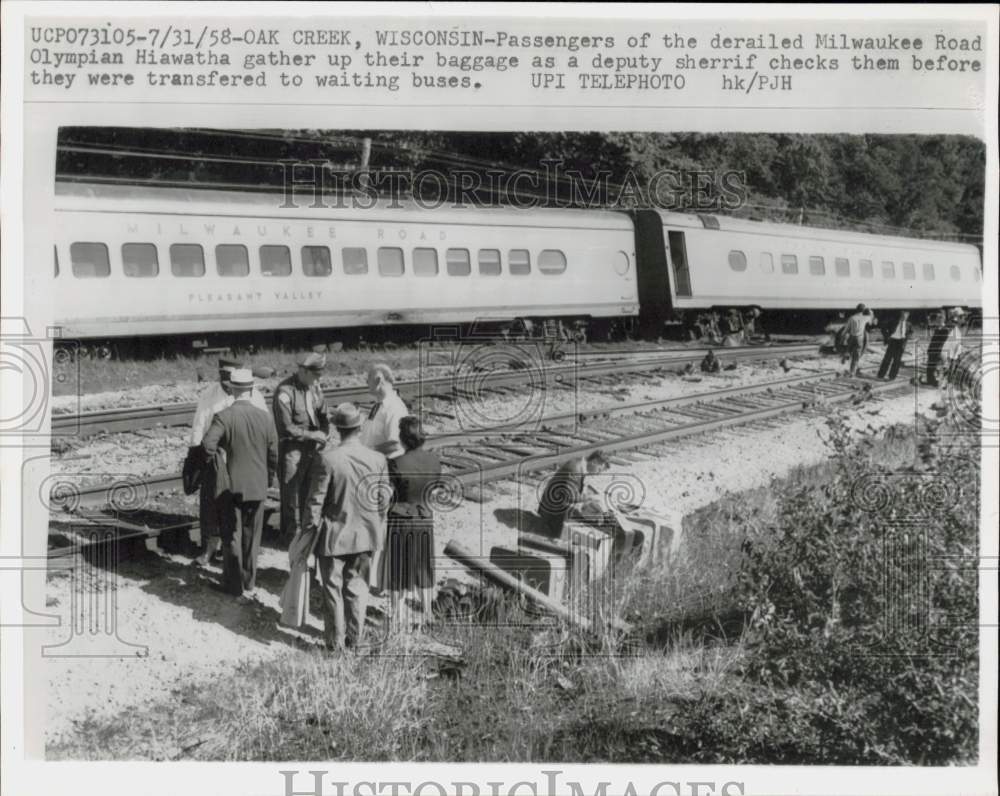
(496, 400)
(547, 447)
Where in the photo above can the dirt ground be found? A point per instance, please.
(176, 630)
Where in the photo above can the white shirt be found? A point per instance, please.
(384, 426)
(900, 333)
(952, 347)
(213, 401)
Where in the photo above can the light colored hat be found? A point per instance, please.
(241, 378)
(347, 416)
(313, 361)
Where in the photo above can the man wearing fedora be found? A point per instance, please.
(301, 418)
(349, 496)
(210, 403)
(246, 434)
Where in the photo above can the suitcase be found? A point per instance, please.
(657, 534)
(593, 543)
(577, 558)
(541, 570)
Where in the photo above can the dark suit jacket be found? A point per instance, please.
(348, 499)
(563, 490)
(413, 475)
(247, 435)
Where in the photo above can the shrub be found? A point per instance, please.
(862, 599)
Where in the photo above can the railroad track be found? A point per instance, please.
(482, 384)
(472, 460)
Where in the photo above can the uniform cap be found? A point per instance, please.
(861, 308)
(313, 361)
(241, 378)
(347, 416)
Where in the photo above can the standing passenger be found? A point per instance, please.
(895, 346)
(410, 545)
(301, 419)
(381, 433)
(210, 403)
(348, 501)
(245, 432)
(854, 331)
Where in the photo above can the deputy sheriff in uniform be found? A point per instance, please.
(300, 416)
(216, 398)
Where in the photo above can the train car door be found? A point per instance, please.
(652, 271)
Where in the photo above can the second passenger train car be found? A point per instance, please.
(138, 262)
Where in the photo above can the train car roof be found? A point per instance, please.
(197, 201)
(730, 224)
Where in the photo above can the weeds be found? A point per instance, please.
(774, 639)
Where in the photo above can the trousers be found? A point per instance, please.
(209, 514)
(242, 525)
(893, 358)
(345, 598)
(295, 460)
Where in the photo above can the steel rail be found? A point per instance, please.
(85, 424)
(499, 457)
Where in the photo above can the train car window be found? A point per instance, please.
(489, 262)
(55, 253)
(140, 260)
(766, 262)
(232, 259)
(737, 260)
(789, 264)
(866, 269)
(316, 261)
(89, 260)
(929, 272)
(187, 259)
(355, 261)
(425, 262)
(888, 269)
(817, 267)
(956, 274)
(458, 263)
(519, 262)
(551, 261)
(909, 271)
(390, 261)
(275, 261)
(842, 266)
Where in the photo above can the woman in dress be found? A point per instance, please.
(410, 542)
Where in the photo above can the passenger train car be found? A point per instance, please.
(141, 262)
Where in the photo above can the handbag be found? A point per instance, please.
(193, 471)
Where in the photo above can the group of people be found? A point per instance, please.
(944, 346)
(355, 493)
(733, 328)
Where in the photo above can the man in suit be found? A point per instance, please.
(564, 490)
(210, 403)
(895, 345)
(246, 434)
(300, 416)
(348, 500)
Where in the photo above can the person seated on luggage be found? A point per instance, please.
(711, 363)
(564, 491)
